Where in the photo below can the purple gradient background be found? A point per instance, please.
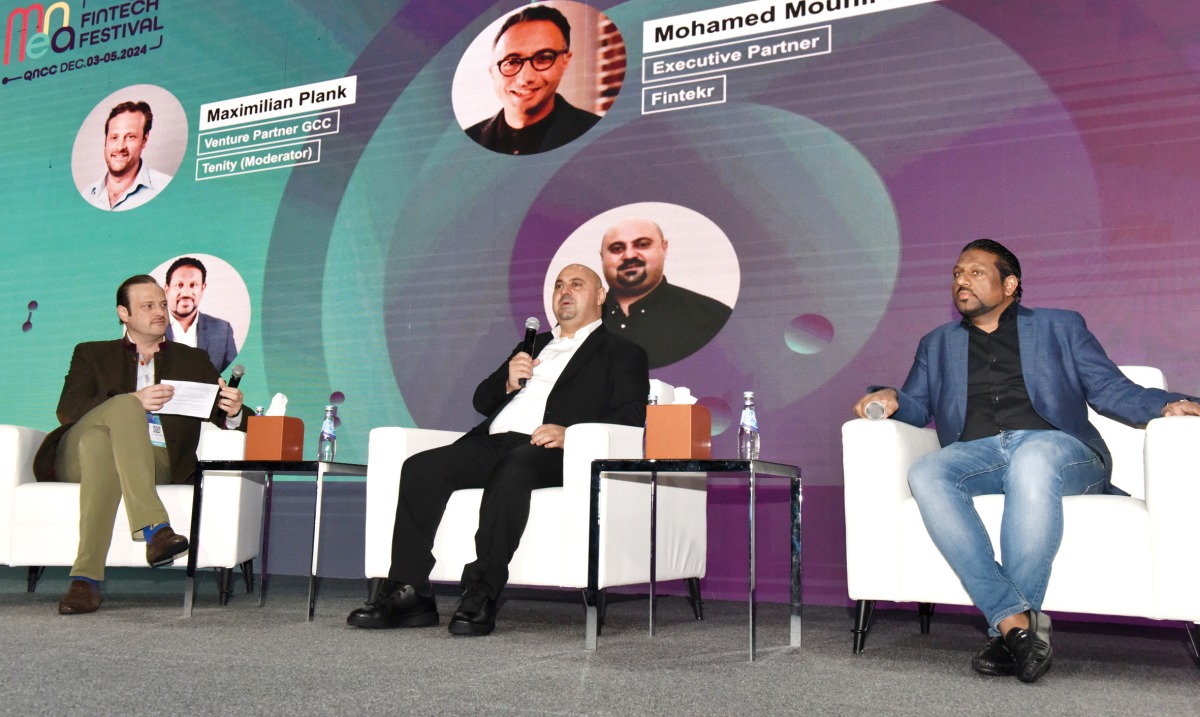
(1067, 130)
(1084, 162)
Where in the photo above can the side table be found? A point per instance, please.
(267, 469)
(640, 465)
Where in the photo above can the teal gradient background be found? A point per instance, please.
(400, 269)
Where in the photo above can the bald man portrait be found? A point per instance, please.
(669, 321)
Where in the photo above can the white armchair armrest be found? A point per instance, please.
(586, 442)
(18, 445)
(218, 444)
(1172, 501)
(387, 449)
(876, 456)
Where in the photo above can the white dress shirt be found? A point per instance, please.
(146, 186)
(187, 338)
(527, 409)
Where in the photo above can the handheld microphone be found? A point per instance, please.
(235, 375)
(531, 328)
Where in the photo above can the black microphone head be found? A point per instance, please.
(533, 323)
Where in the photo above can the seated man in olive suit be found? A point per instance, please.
(578, 373)
(113, 443)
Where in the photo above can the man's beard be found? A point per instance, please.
(179, 316)
(631, 281)
(979, 310)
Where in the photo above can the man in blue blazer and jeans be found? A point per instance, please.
(1009, 387)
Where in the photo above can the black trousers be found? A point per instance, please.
(507, 467)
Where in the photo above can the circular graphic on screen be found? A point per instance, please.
(209, 301)
(129, 148)
(538, 78)
(671, 273)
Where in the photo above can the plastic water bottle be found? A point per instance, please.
(748, 430)
(327, 446)
(651, 400)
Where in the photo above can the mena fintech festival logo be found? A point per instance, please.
(35, 30)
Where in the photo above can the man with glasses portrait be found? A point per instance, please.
(530, 54)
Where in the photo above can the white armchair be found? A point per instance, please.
(1131, 556)
(554, 548)
(39, 522)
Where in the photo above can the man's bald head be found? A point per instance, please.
(577, 299)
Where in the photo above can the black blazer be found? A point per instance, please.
(606, 381)
(103, 369)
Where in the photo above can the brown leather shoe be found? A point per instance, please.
(164, 547)
(82, 597)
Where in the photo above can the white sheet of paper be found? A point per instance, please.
(190, 399)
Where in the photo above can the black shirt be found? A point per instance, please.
(997, 399)
(564, 123)
(527, 140)
(670, 322)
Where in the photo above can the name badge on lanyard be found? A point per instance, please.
(156, 430)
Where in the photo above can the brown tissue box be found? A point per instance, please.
(678, 432)
(274, 438)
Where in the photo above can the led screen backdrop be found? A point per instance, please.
(814, 166)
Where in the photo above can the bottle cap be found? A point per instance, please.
(748, 394)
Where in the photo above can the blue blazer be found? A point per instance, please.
(214, 336)
(1065, 370)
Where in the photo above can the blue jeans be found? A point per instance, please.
(1034, 470)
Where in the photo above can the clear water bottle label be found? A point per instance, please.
(749, 419)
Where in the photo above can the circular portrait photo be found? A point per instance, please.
(634, 249)
(539, 78)
(208, 303)
(129, 147)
